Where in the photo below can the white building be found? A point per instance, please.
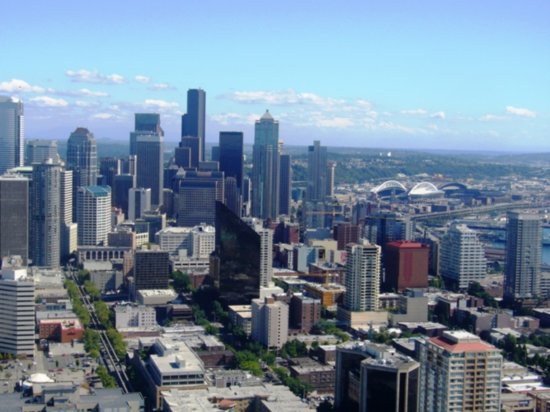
(362, 276)
(11, 133)
(139, 201)
(270, 322)
(198, 241)
(462, 256)
(69, 229)
(16, 308)
(133, 316)
(459, 372)
(93, 215)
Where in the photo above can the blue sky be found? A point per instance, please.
(427, 74)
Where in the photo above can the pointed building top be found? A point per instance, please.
(266, 116)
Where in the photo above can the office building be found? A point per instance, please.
(345, 233)
(198, 242)
(190, 144)
(69, 229)
(182, 156)
(109, 167)
(317, 167)
(459, 372)
(16, 308)
(139, 201)
(193, 122)
(405, 266)
(236, 262)
(135, 316)
(11, 133)
(270, 322)
(151, 269)
(362, 279)
(155, 220)
(150, 165)
(215, 153)
(230, 153)
(14, 216)
(331, 175)
(372, 377)
(37, 151)
(45, 220)
(266, 250)
(121, 190)
(285, 184)
(523, 256)
(93, 215)
(144, 124)
(265, 169)
(82, 158)
(305, 312)
(462, 257)
(386, 227)
(197, 196)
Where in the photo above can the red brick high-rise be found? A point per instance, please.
(406, 266)
(345, 233)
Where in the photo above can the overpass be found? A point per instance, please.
(478, 210)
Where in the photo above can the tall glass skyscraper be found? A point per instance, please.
(193, 122)
(14, 216)
(11, 133)
(144, 124)
(265, 169)
(317, 167)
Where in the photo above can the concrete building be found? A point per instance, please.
(12, 132)
(362, 279)
(270, 322)
(69, 229)
(139, 201)
(345, 233)
(197, 195)
(16, 308)
(523, 256)
(93, 215)
(134, 316)
(38, 150)
(305, 312)
(462, 257)
(266, 250)
(61, 330)
(405, 266)
(14, 216)
(198, 241)
(241, 316)
(151, 269)
(319, 376)
(459, 372)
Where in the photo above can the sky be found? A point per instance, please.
(420, 74)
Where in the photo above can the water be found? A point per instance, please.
(545, 248)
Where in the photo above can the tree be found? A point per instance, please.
(181, 281)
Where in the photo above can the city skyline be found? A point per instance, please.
(429, 75)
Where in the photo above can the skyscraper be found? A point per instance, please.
(14, 216)
(270, 322)
(11, 133)
(462, 257)
(39, 150)
(362, 276)
(285, 184)
(405, 266)
(45, 225)
(151, 269)
(144, 123)
(459, 372)
(523, 256)
(197, 196)
(266, 250)
(231, 164)
(193, 122)
(121, 189)
(265, 169)
(150, 165)
(69, 229)
(93, 215)
(139, 201)
(317, 167)
(386, 227)
(193, 145)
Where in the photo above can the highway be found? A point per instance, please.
(108, 354)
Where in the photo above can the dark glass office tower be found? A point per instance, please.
(121, 187)
(193, 122)
(109, 167)
(317, 167)
(14, 216)
(236, 259)
(197, 196)
(11, 133)
(151, 269)
(285, 185)
(193, 145)
(150, 165)
(231, 155)
(144, 123)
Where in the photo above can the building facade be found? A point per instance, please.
(362, 280)
(14, 216)
(93, 215)
(193, 123)
(11, 133)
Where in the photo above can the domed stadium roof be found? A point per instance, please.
(424, 189)
(387, 185)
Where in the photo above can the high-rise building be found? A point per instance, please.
(215, 153)
(37, 151)
(14, 216)
(345, 233)
(182, 156)
(270, 322)
(109, 167)
(193, 122)
(121, 189)
(305, 312)
(93, 215)
(231, 155)
(386, 227)
(192, 145)
(462, 257)
(139, 201)
(459, 372)
(45, 222)
(82, 160)
(266, 250)
(198, 193)
(372, 377)
(11, 133)
(236, 262)
(523, 256)
(331, 172)
(151, 269)
(285, 184)
(150, 165)
(405, 266)
(265, 168)
(362, 276)
(69, 229)
(317, 167)
(144, 124)
(16, 308)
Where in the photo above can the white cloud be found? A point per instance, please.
(20, 86)
(46, 101)
(335, 122)
(415, 112)
(520, 111)
(89, 76)
(142, 79)
(284, 97)
(87, 92)
(162, 86)
(226, 119)
(103, 116)
(491, 117)
(438, 115)
(161, 104)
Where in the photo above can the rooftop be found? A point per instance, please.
(461, 341)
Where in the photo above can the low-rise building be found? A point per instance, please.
(61, 330)
(241, 316)
(319, 376)
(135, 316)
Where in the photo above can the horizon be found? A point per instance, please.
(426, 76)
